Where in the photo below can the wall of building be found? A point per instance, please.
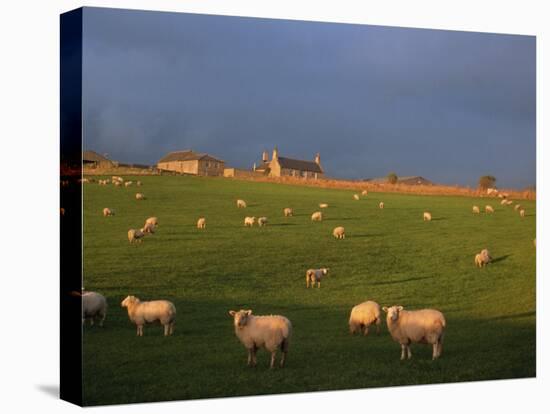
(210, 168)
(237, 172)
(185, 167)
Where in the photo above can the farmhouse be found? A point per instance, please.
(92, 159)
(190, 162)
(282, 166)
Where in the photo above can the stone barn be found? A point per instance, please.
(190, 162)
(92, 159)
(289, 167)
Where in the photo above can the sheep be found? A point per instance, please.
(364, 192)
(509, 202)
(420, 326)
(262, 221)
(323, 205)
(138, 183)
(153, 220)
(517, 207)
(489, 209)
(483, 258)
(522, 213)
(117, 183)
(364, 315)
(381, 205)
(475, 209)
(249, 221)
(317, 216)
(503, 202)
(241, 204)
(356, 196)
(148, 228)
(339, 232)
(201, 223)
(135, 235)
(427, 216)
(141, 313)
(315, 275)
(288, 212)
(108, 212)
(128, 183)
(94, 305)
(271, 332)
(140, 196)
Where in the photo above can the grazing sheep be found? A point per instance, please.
(364, 315)
(262, 221)
(323, 205)
(381, 205)
(271, 332)
(483, 258)
(117, 183)
(364, 192)
(489, 209)
(503, 202)
(152, 220)
(315, 275)
(128, 183)
(147, 312)
(475, 209)
(201, 223)
(94, 305)
(108, 212)
(241, 204)
(339, 232)
(517, 207)
(140, 196)
(356, 196)
(83, 180)
(509, 202)
(420, 326)
(522, 213)
(317, 216)
(249, 221)
(138, 183)
(427, 216)
(148, 228)
(135, 235)
(288, 212)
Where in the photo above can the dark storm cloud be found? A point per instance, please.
(447, 105)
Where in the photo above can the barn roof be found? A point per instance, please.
(300, 165)
(188, 155)
(92, 156)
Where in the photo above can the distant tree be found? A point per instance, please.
(487, 181)
(392, 178)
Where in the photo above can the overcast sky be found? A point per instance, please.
(447, 105)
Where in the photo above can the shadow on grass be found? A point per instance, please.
(439, 218)
(514, 316)
(394, 282)
(500, 258)
(282, 224)
(341, 219)
(368, 235)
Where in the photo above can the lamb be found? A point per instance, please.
(262, 221)
(148, 228)
(364, 192)
(315, 275)
(271, 332)
(201, 223)
(128, 183)
(141, 313)
(317, 216)
(241, 204)
(323, 205)
(381, 205)
(356, 196)
(135, 235)
(288, 212)
(140, 196)
(420, 326)
(475, 209)
(108, 212)
(364, 315)
(94, 305)
(522, 213)
(427, 216)
(339, 232)
(483, 258)
(249, 221)
(489, 209)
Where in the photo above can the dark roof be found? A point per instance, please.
(300, 165)
(92, 156)
(188, 156)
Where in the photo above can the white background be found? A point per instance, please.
(29, 131)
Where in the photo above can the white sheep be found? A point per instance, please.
(427, 216)
(262, 221)
(128, 183)
(317, 216)
(339, 232)
(503, 202)
(117, 183)
(141, 313)
(509, 202)
(201, 223)
(241, 204)
(364, 315)
(108, 212)
(483, 258)
(138, 183)
(522, 213)
(135, 235)
(271, 332)
(148, 228)
(517, 207)
(288, 212)
(356, 196)
(489, 209)
(152, 220)
(420, 326)
(315, 275)
(475, 209)
(94, 305)
(323, 205)
(249, 221)
(364, 192)
(381, 205)
(140, 196)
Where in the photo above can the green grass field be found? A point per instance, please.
(390, 256)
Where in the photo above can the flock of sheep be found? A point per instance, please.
(273, 332)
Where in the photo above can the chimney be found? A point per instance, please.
(318, 159)
(275, 153)
(265, 156)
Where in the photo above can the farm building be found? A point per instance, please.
(289, 167)
(92, 159)
(409, 180)
(190, 162)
